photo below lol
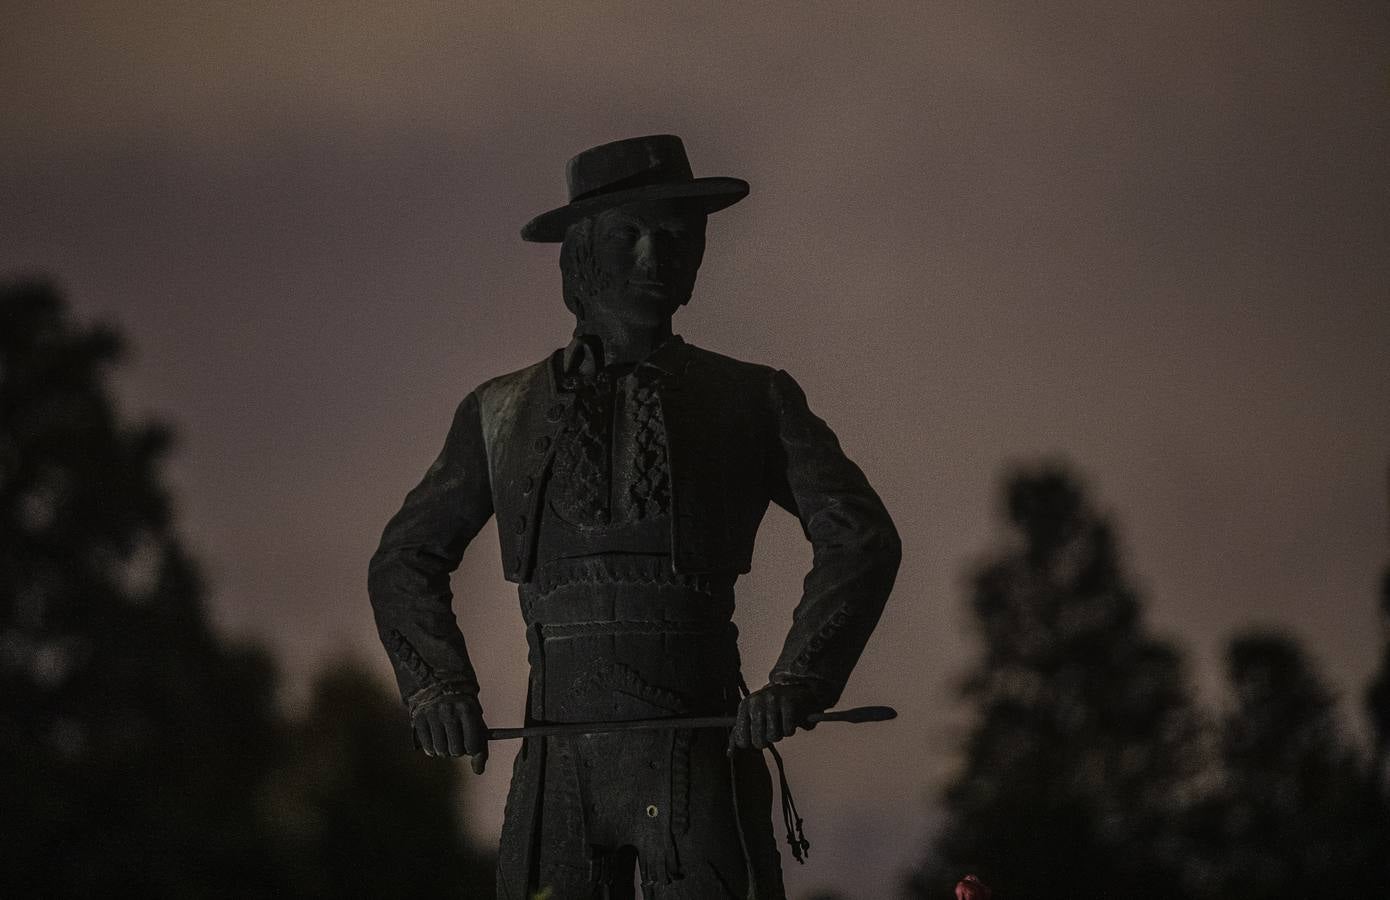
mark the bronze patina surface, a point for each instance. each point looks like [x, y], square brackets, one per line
[628, 473]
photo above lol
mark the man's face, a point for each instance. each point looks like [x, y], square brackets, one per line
[647, 254]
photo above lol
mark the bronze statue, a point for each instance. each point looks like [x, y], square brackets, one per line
[628, 473]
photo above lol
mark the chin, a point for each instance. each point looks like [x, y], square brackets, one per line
[648, 320]
[654, 309]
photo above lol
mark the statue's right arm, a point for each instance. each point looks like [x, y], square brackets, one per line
[408, 579]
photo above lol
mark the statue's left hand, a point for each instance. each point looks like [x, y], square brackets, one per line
[771, 713]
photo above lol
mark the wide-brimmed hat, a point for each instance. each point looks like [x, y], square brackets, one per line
[654, 167]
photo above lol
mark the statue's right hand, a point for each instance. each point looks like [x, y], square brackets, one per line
[453, 726]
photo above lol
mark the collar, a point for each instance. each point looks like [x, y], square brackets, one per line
[584, 358]
[581, 356]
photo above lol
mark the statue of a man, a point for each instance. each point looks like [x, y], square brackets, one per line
[628, 473]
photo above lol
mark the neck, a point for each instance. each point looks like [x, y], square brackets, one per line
[623, 342]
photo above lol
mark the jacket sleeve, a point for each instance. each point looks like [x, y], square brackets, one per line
[856, 547]
[408, 579]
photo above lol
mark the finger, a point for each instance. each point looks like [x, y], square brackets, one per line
[422, 736]
[475, 741]
[757, 720]
[788, 717]
[453, 731]
[474, 732]
[772, 720]
[738, 735]
[809, 705]
[439, 741]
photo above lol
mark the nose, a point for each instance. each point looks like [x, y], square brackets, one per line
[644, 251]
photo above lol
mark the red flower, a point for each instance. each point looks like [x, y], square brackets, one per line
[971, 888]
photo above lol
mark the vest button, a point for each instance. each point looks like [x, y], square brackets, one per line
[555, 412]
[520, 525]
[651, 812]
[542, 444]
[528, 484]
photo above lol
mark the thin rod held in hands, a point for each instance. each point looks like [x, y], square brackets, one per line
[856, 715]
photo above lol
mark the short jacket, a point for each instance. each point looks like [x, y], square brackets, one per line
[738, 436]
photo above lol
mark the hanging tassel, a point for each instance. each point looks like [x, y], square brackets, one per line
[791, 819]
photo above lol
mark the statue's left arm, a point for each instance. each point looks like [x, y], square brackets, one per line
[856, 557]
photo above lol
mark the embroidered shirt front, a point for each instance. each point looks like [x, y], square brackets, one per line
[609, 490]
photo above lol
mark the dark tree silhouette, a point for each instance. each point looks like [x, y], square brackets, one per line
[131, 740]
[362, 812]
[1086, 744]
[1378, 694]
[140, 754]
[1300, 819]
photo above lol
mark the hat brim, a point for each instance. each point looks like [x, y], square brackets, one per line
[707, 194]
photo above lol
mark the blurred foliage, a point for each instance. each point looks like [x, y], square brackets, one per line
[1086, 743]
[1091, 773]
[139, 752]
[361, 812]
[1295, 812]
[1378, 694]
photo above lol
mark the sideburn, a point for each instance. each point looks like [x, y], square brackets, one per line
[581, 278]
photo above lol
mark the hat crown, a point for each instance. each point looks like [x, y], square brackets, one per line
[629, 163]
[653, 167]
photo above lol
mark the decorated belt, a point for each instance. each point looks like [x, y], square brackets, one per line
[663, 626]
[623, 569]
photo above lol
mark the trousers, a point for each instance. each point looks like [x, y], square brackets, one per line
[621, 821]
[668, 809]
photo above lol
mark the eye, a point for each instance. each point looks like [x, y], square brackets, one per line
[619, 236]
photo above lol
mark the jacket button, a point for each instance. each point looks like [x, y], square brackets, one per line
[651, 812]
[521, 525]
[528, 484]
[542, 444]
[555, 412]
